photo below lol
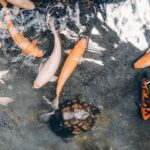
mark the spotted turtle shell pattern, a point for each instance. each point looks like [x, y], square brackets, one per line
[73, 118]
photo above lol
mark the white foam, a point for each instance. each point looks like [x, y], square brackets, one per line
[115, 46]
[99, 15]
[113, 58]
[128, 19]
[95, 46]
[99, 62]
[95, 31]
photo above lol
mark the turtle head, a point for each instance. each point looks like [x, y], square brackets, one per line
[96, 110]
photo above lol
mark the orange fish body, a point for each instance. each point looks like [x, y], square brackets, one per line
[28, 48]
[143, 62]
[145, 105]
[70, 64]
[26, 4]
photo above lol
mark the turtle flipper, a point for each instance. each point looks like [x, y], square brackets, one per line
[45, 117]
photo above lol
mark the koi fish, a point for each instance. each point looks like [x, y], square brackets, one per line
[28, 48]
[145, 105]
[47, 71]
[5, 101]
[3, 73]
[144, 61]
[26, 4]
[70, 64]
[3, 3]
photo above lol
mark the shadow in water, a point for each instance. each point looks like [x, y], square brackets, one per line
[113, 85]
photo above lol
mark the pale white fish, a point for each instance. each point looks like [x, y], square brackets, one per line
[3, 73]
[26, 4]
[47, 70]
[5, 101]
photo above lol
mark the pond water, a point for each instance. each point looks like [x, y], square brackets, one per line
[106, 77]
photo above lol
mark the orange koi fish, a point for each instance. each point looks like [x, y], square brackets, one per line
[145, 105]
[144, 61]
[70, 64]
[27, 4]
[28, 48]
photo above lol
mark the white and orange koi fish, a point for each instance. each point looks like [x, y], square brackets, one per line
[28, 48]
[26, 4]
[48, 70]
[70, 64]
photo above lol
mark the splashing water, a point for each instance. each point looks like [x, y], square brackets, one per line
[24, 22]
[36, 22]
[69, 15]
[130, 20]
[73, 15]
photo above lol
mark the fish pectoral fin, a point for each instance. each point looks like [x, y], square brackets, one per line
[81, 60]
[53, 79]
[35, 41]
[68, 51]
[41, 66]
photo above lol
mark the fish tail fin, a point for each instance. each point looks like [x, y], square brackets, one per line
[56, 103]
[3, 3]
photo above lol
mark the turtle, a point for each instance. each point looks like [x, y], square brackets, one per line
[72, 117]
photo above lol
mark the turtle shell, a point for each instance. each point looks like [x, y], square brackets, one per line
[73, 118]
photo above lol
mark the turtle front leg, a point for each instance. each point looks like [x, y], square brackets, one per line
[45, 116]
